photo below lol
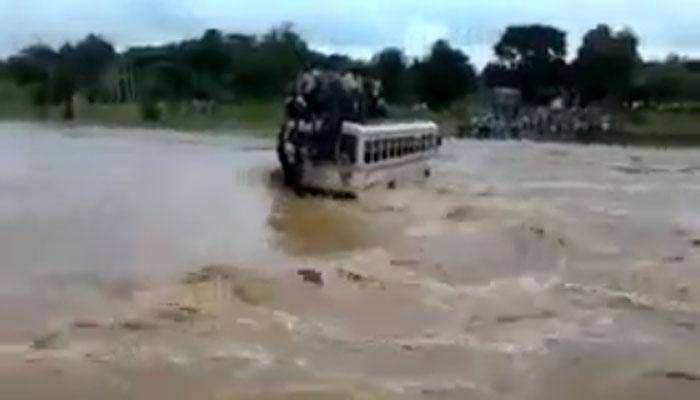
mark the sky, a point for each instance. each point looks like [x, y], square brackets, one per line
[355, 27]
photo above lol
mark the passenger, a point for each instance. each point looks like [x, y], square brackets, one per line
[296, 107]
[304, 82]
[376, 103]
[352, 95]
[308, 86]
[331, 99]
[371, 98]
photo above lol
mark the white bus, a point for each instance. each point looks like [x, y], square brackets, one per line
[367, 156]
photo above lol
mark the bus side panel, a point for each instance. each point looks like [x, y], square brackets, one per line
[396, 175]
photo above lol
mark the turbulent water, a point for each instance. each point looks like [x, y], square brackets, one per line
[146, 264]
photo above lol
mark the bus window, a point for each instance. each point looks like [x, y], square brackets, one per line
[368, 152]
[376, 154]
[385, 149]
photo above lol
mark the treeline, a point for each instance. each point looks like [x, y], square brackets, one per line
[54, 76]
[607, 67]
[222, 68]
[225, 68]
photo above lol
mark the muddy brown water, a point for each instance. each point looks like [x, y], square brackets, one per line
[151, 264]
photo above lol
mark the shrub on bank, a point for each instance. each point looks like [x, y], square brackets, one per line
[150, 112]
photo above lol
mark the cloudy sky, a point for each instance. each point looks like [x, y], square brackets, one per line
[358, 27]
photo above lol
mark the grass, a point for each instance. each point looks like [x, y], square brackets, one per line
[14, 102]
[661, 123]
[253, 117]
[658, 129]
[256, 117]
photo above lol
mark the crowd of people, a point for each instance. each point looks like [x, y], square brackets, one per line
[349, 95]
[561, 119]
[325, 98]
[542, 123]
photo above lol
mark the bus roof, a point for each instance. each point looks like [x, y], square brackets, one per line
[390, 128]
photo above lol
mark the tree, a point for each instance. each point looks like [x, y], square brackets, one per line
[528, 44]
[390, 67]
[606, 64]
[34, 67]
[66, 79]
[663, 81]
[498, 75]
[91, 58]
[671, 80]
[209, 54]
[444, 76]
[33, 64]
[221, 66]
[209, 61]
[263, 68]
[52, 74]
[530, 58]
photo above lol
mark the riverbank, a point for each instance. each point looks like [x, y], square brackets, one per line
[262, 118]
[258, 117]
[629, 128]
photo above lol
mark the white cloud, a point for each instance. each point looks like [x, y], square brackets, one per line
[360, 27]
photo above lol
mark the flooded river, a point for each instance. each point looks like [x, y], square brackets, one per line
[149, 264]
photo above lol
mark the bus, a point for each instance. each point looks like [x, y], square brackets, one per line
[364, 156]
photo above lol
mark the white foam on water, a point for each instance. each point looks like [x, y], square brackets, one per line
[567, 185]
[257, 354]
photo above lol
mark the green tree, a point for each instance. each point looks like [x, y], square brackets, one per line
[91, 58]
[34, 67]
[530, 58]
[52, 73]
[263, 68]
[671, 80]
[3, 69]
[529, 44]
[390, 67]
[209, 61]
[663, 81]
[498, 75]
[606, 64]
[444, 76]
[66, 78]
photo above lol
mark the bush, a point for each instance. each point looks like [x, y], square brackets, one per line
[150, 111]
[637, 118]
